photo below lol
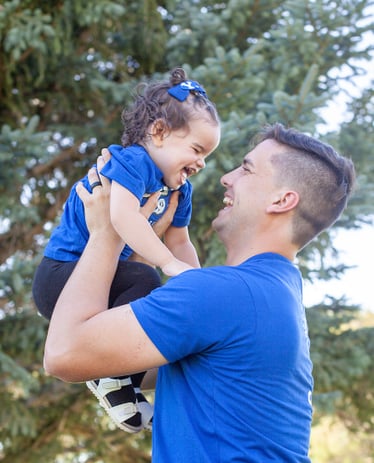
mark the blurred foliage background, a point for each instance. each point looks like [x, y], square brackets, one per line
[67, 69]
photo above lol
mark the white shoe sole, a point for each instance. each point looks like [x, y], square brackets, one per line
[119, 413]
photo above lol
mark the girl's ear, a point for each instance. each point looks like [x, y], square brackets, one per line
[285, 201]
[159, 130]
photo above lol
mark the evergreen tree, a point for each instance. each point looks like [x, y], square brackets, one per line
[68, 68]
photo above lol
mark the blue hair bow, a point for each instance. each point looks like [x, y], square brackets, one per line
[182, 90]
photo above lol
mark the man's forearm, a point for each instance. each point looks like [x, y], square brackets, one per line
[84, 295]
[86, 292]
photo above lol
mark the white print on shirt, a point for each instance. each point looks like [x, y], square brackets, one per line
[161, 203]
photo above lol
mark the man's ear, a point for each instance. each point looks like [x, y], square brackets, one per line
[285, 201]
[159, 130]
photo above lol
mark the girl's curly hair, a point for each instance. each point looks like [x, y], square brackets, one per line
[153, 102]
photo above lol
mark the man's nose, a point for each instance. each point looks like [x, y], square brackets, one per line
[226, 179]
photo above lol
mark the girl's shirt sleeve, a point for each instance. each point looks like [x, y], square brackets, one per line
[133, 168]
[182, 216]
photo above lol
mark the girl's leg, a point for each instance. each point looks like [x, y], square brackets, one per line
[49, 279]
[121, 396]
[131, 281]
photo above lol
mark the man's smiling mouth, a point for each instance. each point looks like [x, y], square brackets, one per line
[228, 202]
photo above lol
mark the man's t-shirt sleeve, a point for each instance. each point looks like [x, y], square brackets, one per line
[188, 315]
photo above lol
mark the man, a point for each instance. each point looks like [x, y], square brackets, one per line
[235, 381]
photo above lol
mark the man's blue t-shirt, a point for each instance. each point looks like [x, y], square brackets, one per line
[238, 385]
[133, 168]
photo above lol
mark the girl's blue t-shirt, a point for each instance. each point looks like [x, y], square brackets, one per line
[238, 384]
[133, 168]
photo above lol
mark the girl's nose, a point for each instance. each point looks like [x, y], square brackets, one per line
[200, 163]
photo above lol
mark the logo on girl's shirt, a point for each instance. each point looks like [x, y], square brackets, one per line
[161, 204]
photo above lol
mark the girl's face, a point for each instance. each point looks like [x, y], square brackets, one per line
[179, 154]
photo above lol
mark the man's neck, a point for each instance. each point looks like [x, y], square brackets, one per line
[236, 258]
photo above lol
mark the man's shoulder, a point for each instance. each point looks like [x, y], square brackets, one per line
[205, 278]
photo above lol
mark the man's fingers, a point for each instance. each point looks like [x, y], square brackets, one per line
[150, 205]
[82, 192]
[100, 163]
[105, 153]
[163, 224]
[94, 179]
[174, 200]
[173, 204]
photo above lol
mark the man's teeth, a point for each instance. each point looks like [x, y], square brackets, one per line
[227, 201]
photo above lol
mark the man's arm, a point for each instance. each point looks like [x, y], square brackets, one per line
[85, 340]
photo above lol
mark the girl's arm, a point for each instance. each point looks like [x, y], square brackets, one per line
[136, 231]
[160, 226]
[177, 239]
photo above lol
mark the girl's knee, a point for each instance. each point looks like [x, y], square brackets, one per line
[150, 277]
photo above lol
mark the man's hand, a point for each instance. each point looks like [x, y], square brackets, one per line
[97, 203]
[163, 224]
